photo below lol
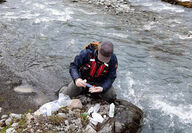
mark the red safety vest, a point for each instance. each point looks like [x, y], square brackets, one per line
[94, 71]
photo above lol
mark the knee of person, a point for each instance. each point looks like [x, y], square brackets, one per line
[63, 89]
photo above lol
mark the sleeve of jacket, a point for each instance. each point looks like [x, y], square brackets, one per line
[111, 75]
[79, 60]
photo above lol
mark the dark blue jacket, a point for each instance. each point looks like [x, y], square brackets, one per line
[83, 58]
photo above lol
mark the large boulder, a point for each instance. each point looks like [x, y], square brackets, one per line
[128, 118]
[187, 4]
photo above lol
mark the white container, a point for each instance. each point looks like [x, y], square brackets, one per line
[97, 117]
[90, 111]
[111, 110]
[96, 108]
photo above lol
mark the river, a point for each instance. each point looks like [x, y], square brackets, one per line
[152, 42]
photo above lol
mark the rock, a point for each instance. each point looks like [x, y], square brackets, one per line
[89, 129]
[1, 1]
[17, 116]
[0, 109]
[14, 125]
[128, 119]
[4, 116]
[74, 0]
[66, 122]
[8, 121]
[39, 131]
[49, 126]
[2, 123]
[32, 130]
[10, 130]
[63, 115]
[25, 89]
[187, 4]
[75, 103]
[108, 128]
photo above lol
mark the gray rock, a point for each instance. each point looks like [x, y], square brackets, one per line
[10, 130]
[17, 116]
[32, 130]
[4, 116]
[39, 131]
[66, 122]
[2, 123]
[108, 128]
[0, 109]
[49, 126]
[63, 115]
[74, 0]
[8, 121]
[14, 125]
[89, 129]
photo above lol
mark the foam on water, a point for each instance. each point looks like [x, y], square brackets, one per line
[34, 10]
[118, 35]
[183, 112]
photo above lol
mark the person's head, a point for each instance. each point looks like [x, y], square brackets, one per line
[105, 51]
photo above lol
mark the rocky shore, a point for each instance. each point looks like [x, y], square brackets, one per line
[127, 118]
[186, 3]
[117, 6]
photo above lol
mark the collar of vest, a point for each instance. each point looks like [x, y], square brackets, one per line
[94, 58]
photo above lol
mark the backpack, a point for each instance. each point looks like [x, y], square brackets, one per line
[92, 45]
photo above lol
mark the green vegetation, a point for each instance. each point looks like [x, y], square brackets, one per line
[5, 128]
[84, 119]
[64, 110]
[55, 120]
[22, 123]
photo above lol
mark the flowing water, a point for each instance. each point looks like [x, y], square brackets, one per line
[152, 43]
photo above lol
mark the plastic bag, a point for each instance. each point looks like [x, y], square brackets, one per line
[48, 108]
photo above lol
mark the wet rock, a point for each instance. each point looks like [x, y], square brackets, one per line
[75, 104]
[10, 130]
[187, 4]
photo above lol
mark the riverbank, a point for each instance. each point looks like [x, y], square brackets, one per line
[76, 118]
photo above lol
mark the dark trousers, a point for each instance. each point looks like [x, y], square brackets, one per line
[72, 90]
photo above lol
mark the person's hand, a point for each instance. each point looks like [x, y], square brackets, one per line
[95, 89]
[80, 83]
